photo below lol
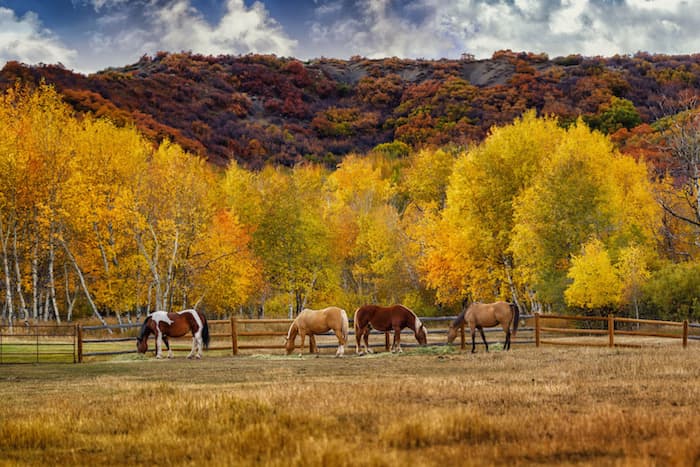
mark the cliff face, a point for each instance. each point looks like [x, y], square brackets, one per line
[259, 109]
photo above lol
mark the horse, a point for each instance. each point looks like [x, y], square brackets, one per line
[385, 319]
[481, 315]
[314, 322]
[164, 324]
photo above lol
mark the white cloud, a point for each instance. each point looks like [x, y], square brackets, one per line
[177, 25]
[447, 28]
[24, 39]
[378, 31]
[100, 4]
[242, 29]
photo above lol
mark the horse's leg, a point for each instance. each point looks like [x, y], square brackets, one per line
[507, 344]
[366, 338]
[358, 339]
[159, 344]
[167, 346]
[341, 343]
[200, 344]
[312, 344]
[473, 332]
[483, 338]
[303, 337]
[194, 347]
[396, 346]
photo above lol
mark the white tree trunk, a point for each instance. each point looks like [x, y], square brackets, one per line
[83, 285]
[152, 261]
[70, 301]
[52, 279]
[4, 238]
[35, 277]
[18, 274]
[171, 273]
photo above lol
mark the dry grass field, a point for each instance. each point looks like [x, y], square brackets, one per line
[546, 406]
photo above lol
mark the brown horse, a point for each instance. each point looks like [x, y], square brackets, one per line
[164, 324]
[313, 322]
[481, 315]
[385, 319]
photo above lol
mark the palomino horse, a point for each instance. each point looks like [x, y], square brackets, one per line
[486, 315]
[164, 325]
[385, 319]
[313, 322]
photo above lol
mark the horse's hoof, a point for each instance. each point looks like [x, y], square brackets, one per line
[198, 357]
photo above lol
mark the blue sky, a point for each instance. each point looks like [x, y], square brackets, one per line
[91, 35]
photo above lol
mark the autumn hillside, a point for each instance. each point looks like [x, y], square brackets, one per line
[259, 108]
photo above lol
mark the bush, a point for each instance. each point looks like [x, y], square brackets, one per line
[673, 292]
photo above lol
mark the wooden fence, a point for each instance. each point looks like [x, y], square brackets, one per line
[607, 329]
[72, 343]
[47, 343]
[241, 334]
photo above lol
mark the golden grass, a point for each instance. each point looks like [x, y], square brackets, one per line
[551, 406]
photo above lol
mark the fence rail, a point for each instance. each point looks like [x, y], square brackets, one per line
[72, 343]
[39, 343]
[610, 330]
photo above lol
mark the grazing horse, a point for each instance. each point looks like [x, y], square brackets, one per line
[313, 322]
[385, 319]
[164, 324]
[485, 315]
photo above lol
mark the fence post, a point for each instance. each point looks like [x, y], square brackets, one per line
[80, 343]
[537, 329]
[611, 330]
[685, 333]
[234, 335]
[462, 337]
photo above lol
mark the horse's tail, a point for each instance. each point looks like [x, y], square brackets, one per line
[345, 325]
[516, 317]
[205, 331]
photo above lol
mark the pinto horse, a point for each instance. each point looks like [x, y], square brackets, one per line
[164, 325]
[385, 319]
[481, 315]
[314, 322]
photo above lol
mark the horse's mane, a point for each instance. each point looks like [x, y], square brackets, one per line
[417, 321]
[144, 328]
[459, 319]
[294, 326]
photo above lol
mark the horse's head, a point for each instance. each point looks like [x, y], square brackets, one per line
[421, 332]
[142, 344]
[142, 338]
[288, 345]
[451, 334]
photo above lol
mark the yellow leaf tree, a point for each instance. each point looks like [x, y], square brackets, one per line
[226, 271]
[173, 207]
[469, 254]
[585, 190]
[595, 283]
